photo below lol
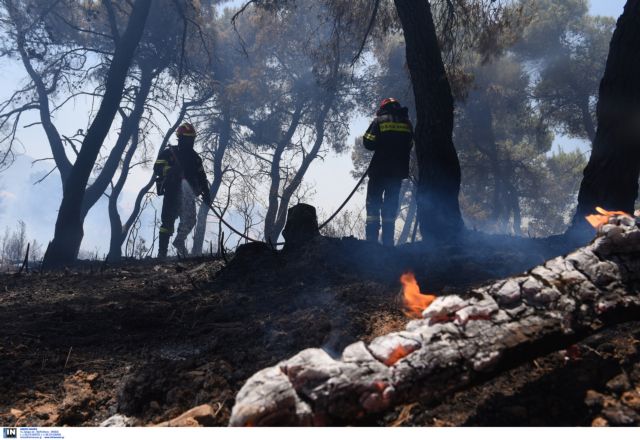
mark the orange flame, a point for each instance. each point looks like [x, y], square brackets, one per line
[414, 301]
[603, 216]
[398, 353]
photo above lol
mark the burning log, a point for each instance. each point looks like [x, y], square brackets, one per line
[458, 340]
[414, 301]
[603, 216]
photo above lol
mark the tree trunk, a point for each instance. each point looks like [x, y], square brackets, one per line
[586, 119]
[53, 136]
[611, 176]
[115, 223]
[223, 143]
[274, 187]
[117, 236]
[410, 218]
[485, 142]
[512, 196]
[514, 202]
[65, 245]
[439, 184]
[129, 127]
[293, 186]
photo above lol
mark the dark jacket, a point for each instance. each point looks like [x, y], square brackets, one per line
[175, 163]
[390, 137]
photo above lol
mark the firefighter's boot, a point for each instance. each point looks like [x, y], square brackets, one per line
[180, 248]
[372, 231]
[163, 244]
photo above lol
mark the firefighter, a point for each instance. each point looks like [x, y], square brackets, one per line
[390, 137]
[179, 177]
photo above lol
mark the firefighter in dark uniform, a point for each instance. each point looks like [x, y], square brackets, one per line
[179, 176]
[390, 137]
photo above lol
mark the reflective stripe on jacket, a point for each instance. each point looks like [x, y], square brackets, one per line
[390, 137]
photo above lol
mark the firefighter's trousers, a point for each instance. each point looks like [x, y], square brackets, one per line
[382, 201]
[179, 202]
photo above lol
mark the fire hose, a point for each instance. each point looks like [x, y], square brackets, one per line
[355, 188]
[325, 223]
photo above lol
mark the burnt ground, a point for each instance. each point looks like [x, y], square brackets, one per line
[153, 339]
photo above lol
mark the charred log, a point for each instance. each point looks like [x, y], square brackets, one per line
[459, 341]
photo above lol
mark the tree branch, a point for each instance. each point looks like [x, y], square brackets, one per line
[372, 20]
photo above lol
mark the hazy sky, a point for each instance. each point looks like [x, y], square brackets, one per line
[607, 7]
[37, 205]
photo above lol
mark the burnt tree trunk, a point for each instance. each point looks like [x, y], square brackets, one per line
[611, 176]
[130, 125]
[587, 120]
[439, 183]
[115, 244]
[65, 245]
[64, 165]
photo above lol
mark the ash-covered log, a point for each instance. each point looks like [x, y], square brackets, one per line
[460, 339]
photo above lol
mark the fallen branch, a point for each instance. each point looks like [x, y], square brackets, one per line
[459, 341]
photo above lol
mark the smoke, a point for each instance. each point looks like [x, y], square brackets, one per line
[25, 194]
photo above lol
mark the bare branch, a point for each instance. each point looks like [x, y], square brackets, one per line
[79, 29]
[71, 141]
[235, 29]
[34, 161]
[372, 20]
[45, 176]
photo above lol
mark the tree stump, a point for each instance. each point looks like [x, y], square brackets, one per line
[302, 225]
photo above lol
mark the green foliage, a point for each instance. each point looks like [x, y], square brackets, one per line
[502, 142]
[549, 27]
[568, 84]
[551, 210]
[569, 49]
[546, 84]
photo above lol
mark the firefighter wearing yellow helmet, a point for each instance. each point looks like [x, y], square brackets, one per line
[390, 137]
[179, 176]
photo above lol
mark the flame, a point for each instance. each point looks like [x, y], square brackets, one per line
[398, 353]
[414, 301]
[602, 218]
